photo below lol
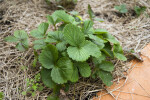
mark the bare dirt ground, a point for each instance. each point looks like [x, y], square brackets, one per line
[133, 33]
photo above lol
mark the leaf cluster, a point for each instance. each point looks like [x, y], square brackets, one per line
[64, 52]
[123, 9]
[21, 38]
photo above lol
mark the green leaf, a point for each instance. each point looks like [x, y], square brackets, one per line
[23, 38]
[73, 35]
[117, 48]
[50, 40]
[84, 69]
[106, 77]
[23, 93]
[25, 43]
[57, 76]
[110, 38]
[106, 66]
[98, 60]
[99, 19]
[100, 31]
[20, 46]
[118, 52]
[61, 27]
[64, 54]
[39, 44]
[63, 71]
[56, 36]
[120, 56]
[78, 19]
[48, 56]
[74, 13]
[90, 12]
[50, 20]
[66, 66]
[75, 75]
[34, 87]
[61, 46]
[94, 74]
[92, 49]
[98, 41]
[84, 52]
[41, 31]
[37, 34]
[59, 6]
[53, 98]
[122, 8]
[47, 79]
[78, 54]
[107, 50]
[42, 28]
[20, 34]
[75, 1]
[11, 39]
[87, 25]
[139, 10]
[63, 16]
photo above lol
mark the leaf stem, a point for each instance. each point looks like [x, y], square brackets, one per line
[55, 27]
[74, 92]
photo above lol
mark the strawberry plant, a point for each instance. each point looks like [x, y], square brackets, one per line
[139, 10]
[66, 51]
[121, 8]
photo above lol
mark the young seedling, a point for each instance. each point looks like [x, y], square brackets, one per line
[139, 10]
[121, 8]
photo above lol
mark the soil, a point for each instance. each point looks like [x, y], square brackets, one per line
[135, 86]
[130, 30]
